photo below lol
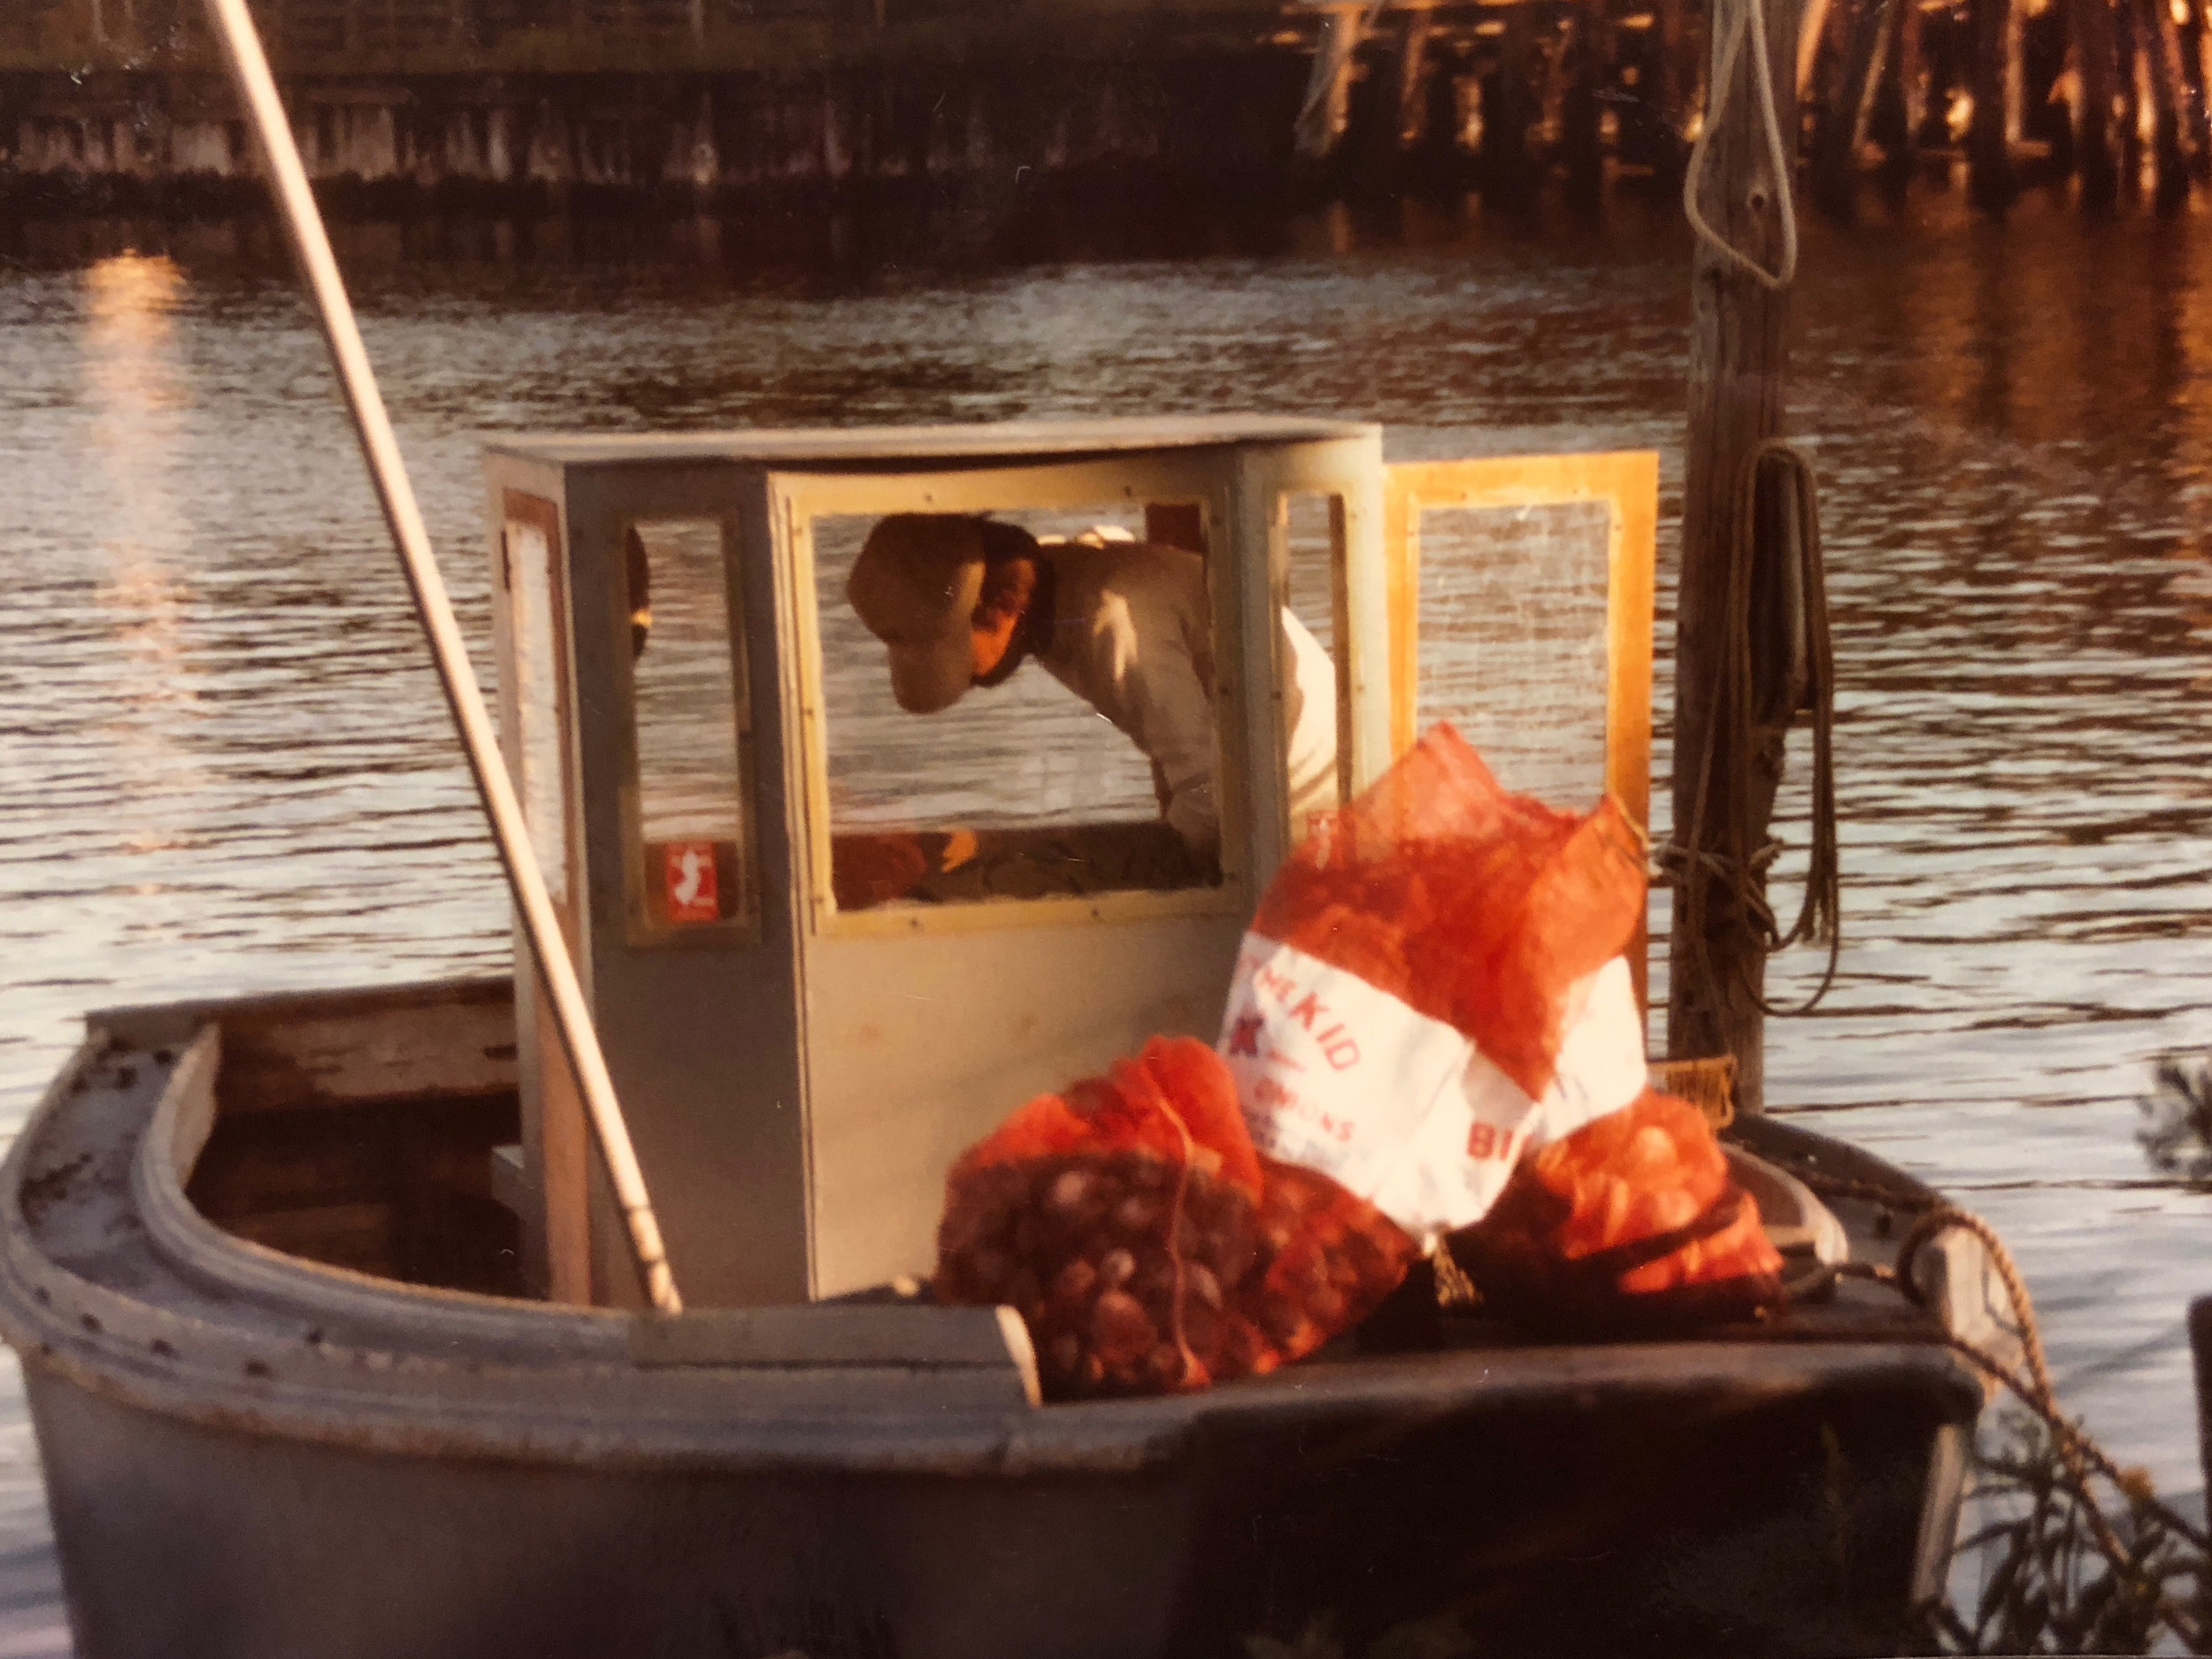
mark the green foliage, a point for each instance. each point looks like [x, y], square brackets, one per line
[2046, 1585]
[2177, 1135]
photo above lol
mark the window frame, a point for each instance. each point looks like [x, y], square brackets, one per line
[641, 928]
[1626, 482]
[1185, 478]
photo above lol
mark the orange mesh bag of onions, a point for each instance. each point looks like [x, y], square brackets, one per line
[1115, 1217]
[1435, 988]
[1629, 1226]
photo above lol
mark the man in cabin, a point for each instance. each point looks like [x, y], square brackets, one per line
[963, 601]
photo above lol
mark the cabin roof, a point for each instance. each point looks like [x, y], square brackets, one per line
[993, 439]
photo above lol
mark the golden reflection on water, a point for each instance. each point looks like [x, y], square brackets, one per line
[136, 390]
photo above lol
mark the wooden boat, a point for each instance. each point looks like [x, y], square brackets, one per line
[251, 1256]
[346, 1320]
[315, 1308]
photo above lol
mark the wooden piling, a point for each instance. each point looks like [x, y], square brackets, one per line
[1911, 79]
[2089, 23]
[1582, 111]
[1835, 162]
[2191, 35]
[2016, 77]
[1663, 114]
[1738, 354]
[2162, 47]
[1328, 106]
[2127, 41]
[1988, 153]
[1508, 107]
[1413, 41]
[1878, 74]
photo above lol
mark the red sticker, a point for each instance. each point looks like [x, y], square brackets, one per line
[693, 894]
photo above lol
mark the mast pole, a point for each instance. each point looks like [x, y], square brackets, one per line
[380, 448]
[1740, 196]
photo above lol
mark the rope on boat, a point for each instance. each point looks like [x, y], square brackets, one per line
[1697, 864]
[1747, 19]
[1932, 1217]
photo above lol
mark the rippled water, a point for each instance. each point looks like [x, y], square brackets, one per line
[224, 766]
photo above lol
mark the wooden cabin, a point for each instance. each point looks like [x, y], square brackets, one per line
[828, 944]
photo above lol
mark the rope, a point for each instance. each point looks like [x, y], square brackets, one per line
[1749, 17]
[1175, 1240]
[1933, 1217]
[1698, 864]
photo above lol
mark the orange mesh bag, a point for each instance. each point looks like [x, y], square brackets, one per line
[1434, 983]
[1629, 1226]
[1326, 1259]
[1115, 1218]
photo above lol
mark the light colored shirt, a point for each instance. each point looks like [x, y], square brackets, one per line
[1131, 635]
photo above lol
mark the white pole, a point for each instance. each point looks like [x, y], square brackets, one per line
[256, 89]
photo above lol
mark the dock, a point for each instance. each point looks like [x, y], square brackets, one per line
[684, 106]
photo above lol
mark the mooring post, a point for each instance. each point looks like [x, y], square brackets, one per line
[1738, 352]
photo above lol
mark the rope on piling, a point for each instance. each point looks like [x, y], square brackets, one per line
[1748, 18]
[1696, 863]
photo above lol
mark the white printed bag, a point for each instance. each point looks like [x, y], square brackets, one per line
[1400, 1109]
[1511, 916]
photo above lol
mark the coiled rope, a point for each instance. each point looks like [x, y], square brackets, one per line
[1934, 1216]
[1712, 862]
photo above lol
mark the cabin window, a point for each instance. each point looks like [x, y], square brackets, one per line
[1311, 528]
[1021, 787]
[532, 568]
[692, 728]
[1514, 628]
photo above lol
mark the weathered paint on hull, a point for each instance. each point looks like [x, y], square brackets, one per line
[183, 1539]
[253, 1456]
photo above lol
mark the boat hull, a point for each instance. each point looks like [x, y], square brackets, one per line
[1793, 1529]
[252, 1454]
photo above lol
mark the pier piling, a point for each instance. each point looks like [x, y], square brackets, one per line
[1988, 148]
[1738, 347]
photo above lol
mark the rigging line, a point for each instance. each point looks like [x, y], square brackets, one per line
[1748, 18]
[1711, 860]
[380, 449]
